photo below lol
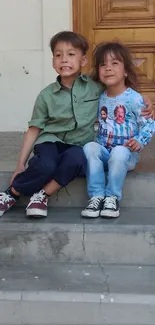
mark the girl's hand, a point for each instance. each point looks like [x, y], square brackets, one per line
[149, 111]
[133, 145]
[18, 170]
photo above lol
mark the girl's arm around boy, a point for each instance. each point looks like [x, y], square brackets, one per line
[146, 127]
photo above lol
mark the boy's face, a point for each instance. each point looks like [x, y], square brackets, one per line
[67, 60]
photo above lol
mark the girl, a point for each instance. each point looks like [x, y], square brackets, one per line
[131, 132]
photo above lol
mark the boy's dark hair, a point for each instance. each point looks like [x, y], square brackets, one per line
[77, 40]
[122, 53]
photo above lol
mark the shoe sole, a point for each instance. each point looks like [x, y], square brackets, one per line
[87, 214]
[110, 214]
[36, 213]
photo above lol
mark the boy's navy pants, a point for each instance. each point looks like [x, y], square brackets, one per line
[58, 161]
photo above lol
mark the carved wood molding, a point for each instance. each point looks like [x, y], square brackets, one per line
[145, 47]
[109, 14]
[76, 11]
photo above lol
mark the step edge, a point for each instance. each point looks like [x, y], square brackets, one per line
[127, 228]
[56, 296]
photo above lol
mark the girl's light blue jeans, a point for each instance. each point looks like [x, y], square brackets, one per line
[117, 162]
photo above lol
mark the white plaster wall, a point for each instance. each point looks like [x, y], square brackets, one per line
[26, 27]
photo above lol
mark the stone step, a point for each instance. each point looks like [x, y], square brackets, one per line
[139, 188]
[11, 142]
[139, 191]
[65, 237]
[67, 294]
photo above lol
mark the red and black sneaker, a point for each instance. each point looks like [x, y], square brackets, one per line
[37, 206]
[6, 202]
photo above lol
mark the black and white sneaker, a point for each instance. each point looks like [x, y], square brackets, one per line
[93, 208]
[110, 207]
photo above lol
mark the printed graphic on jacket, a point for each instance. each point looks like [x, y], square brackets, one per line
[120, 119]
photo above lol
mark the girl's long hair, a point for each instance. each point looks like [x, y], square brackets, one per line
[122, 54]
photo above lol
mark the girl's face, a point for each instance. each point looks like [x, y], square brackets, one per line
[111, 71]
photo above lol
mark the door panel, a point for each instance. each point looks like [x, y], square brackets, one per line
[131, 22]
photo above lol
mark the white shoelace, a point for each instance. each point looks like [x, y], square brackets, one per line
[94, 202]
[37, 198]
[5, 198]
[110, 202]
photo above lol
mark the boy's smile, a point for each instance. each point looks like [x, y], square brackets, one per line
[67, 60]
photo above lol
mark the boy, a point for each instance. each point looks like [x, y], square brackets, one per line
[62, 122]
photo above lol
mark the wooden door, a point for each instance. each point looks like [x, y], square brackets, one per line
[131, 22]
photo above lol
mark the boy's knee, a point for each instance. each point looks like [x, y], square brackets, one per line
[74, 156]
[44, 166]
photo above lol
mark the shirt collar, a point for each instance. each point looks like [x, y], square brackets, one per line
[58, 85]
[84, 77]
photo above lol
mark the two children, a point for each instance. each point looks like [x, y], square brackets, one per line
[122, 132]
[62, 123]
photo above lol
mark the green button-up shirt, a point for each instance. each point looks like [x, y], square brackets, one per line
[67, 115]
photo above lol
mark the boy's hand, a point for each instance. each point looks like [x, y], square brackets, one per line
[133, 145]
[149, 111]
[18, 170]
